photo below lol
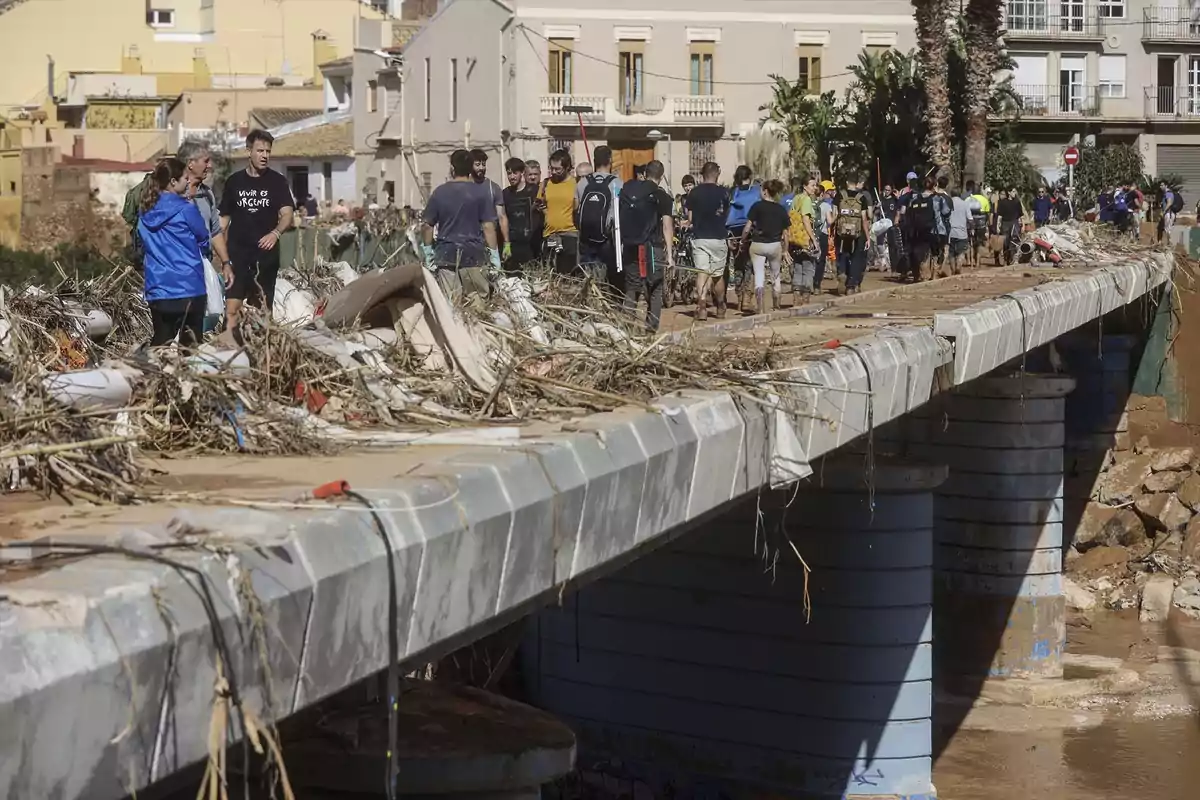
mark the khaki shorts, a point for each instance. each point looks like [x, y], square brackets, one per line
[709, 255]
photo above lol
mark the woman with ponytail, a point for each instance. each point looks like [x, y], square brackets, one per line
[174, 235]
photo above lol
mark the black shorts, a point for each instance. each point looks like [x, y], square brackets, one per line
[254, 279]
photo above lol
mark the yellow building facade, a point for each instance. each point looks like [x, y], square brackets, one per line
[242, 42]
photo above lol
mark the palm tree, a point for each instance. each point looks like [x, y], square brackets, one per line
[810, 123]
[933, 67]
[981, 38]
[884, 115]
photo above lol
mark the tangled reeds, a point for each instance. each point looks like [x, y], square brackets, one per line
[81, 397]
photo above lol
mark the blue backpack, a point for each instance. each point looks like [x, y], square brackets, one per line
[1120, 203]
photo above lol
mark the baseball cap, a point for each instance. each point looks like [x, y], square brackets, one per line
[827, 185]
[912, 176]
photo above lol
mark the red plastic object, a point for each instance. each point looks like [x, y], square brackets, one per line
[331, 489]
[832, 344]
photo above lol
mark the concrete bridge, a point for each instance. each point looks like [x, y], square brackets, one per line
[923, 447]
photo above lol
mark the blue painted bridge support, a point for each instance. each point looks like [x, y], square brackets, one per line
[1000, 610]
[697, 666]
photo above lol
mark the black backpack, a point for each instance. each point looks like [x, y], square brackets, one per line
[920, 214]
[595, 206]
[638, 208]
[1177, 203]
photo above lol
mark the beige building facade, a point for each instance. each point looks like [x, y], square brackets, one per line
[1118, 70]
[680, 80]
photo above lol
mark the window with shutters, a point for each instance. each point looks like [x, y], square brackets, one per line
[560, 67]
[1112, 76]
[701, 76]
[809, 76]
[1113, 9]
[631, 88]
[700, 152]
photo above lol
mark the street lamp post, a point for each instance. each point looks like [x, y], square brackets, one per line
[657, 135]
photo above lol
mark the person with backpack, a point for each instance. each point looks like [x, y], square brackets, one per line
[647, 230]
[595, 204]
[766, 233]
[921, 216]
[852, 237]
[174, 235]
[941, 218]
[708, 206]
[744, 194]
[803, 216]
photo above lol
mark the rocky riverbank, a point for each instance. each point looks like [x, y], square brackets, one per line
[1137, 543]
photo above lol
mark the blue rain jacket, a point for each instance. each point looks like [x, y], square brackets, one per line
[174, 234]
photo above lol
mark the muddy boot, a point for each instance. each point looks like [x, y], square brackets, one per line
[758, 301]
[702, 309]
[768, 300]
[840, 289]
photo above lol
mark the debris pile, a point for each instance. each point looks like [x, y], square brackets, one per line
[378, 358]
[1138, 539]
[1072, 242]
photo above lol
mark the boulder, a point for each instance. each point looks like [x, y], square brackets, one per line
[1078, 598]
[1189, 492]
[1171, 458]
[1123, 482]
[1102, 525]
[1163, 512]
[1157, 595]
[1186, 597]
[1164, 481]
[1190, 550]
[1142, 445]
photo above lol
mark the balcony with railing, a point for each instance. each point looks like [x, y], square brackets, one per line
[1170, 24]
[677, 110]
[1039, 20]
[1173, 102]
[1054, 101]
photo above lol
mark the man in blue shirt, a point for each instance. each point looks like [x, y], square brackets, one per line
[464, 219]
[1042, 207]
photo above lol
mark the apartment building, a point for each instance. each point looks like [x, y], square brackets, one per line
[1121, 70]
[680, 80]
[245, 42]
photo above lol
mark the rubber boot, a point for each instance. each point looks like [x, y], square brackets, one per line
[758, 301]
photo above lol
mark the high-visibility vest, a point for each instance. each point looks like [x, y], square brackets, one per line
[985, 205]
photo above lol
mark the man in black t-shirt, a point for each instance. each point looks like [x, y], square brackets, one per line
[707, 208]
[256, 208]
[647, 228]
[518, 200]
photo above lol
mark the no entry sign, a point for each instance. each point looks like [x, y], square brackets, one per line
[1071, 156]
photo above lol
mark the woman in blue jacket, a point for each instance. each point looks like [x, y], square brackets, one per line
[173, 234]
[742, 197]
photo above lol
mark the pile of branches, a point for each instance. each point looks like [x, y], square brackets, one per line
[555, 348]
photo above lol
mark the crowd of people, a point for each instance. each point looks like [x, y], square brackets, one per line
[583, 220]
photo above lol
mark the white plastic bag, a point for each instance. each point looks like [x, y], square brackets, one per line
[214, 284]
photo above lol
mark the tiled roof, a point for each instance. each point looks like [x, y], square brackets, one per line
[332, 139]
[274, 117]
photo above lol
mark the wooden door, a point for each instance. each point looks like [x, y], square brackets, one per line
[625, 158]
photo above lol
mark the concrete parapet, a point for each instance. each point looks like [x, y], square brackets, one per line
[697, 666]
[111, 660]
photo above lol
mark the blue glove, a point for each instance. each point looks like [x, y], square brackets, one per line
[494, 258]
[427, 256]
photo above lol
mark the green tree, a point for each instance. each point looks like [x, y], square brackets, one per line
[810, 124]
[1008, 167]
[884, 119]
[1100, 168]
[933, 68]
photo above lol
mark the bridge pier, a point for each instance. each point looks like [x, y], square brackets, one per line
[999, 607]
[695, 666]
